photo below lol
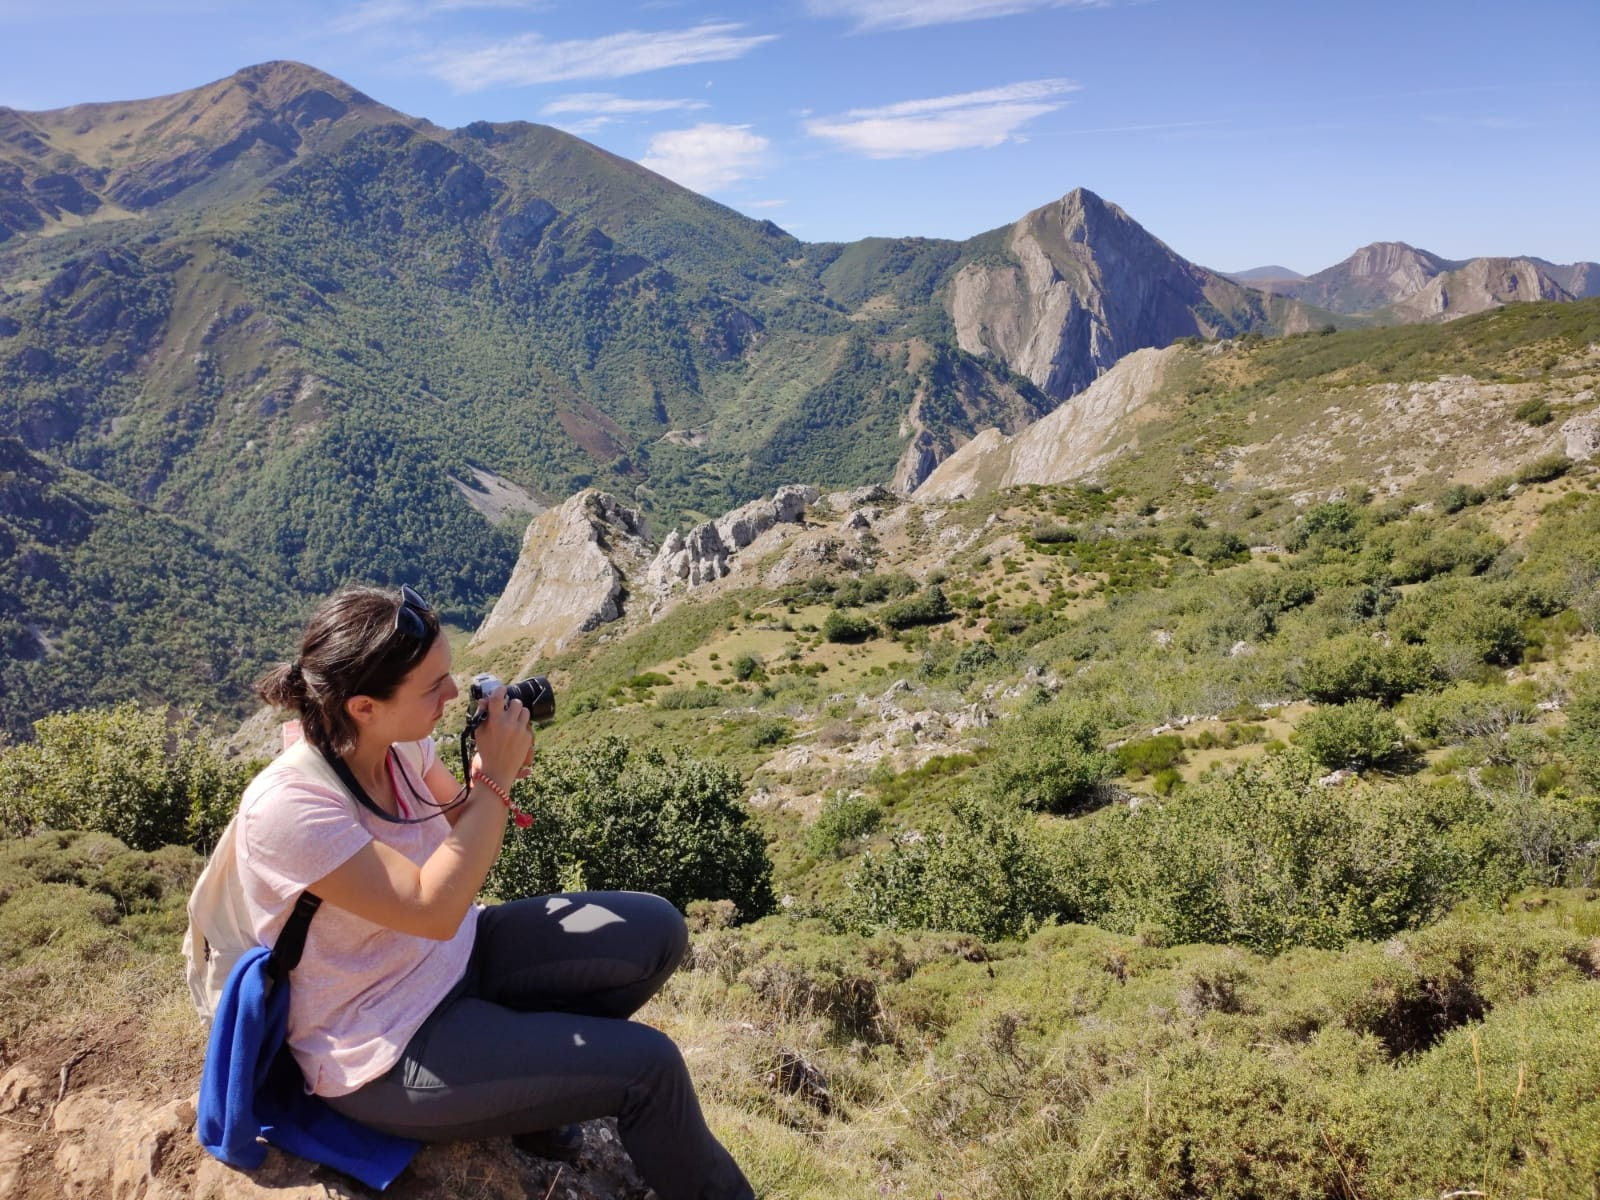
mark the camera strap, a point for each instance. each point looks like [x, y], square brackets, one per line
[353, 786]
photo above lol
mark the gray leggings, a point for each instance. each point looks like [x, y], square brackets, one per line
[536, 1035]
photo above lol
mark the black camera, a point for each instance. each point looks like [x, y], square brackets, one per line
[536, 694]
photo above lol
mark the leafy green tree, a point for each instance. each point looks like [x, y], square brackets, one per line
[147, 776]
[1051, 759]
[607, 818]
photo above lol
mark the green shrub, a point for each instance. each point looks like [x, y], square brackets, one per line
[1534, 411]
[844, 817]
[748, 667]
[771, 731]
[1458, 496]
[68, 920]
[1542, 470]
[848, 627]
[1266, 858]
[699, 696]
[1507, 1107]
[1355, 666]
[1050, 758]
[1148, 756]
[983, 875]
[146, 776]
[1418, 551]
[1357, 734]
[1581, 738]
[928, 608]
[605, 818]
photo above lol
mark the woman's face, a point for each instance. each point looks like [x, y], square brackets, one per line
[418, 703]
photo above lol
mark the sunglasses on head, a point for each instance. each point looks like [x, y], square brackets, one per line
[408, 617]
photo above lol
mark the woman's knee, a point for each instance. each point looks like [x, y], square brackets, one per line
[659, 922]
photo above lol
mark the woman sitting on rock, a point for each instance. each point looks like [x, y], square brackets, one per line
[414, 1010]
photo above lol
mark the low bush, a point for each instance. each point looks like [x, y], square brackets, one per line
[606, 818]
[1355, 666]
[1266, 858]
[1357, 734]
[699, 696]
[848, 627]
[843, 818]
[928, 608]
[1148, 756]
[984, 875]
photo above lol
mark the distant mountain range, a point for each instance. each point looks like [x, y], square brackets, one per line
[328, 340]
[1399, 284]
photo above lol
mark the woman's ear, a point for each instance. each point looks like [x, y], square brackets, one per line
[361, 709]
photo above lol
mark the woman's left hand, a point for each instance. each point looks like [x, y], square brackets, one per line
[527, 764]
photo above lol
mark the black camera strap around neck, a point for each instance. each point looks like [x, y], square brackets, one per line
[353, 786]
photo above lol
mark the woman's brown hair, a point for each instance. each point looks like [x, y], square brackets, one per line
[356, 644]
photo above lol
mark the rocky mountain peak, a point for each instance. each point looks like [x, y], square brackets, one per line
[1387, 258]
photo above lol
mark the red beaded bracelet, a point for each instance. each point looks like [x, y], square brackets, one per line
[522, 819]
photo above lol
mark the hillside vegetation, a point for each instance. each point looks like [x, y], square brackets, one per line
[1160, 836]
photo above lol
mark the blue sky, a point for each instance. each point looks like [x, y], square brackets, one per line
[1240, 132]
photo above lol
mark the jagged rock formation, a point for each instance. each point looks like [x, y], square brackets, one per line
[571, 575]
[1072, 442]
[1406, 284]
[706, 553]
[1085, 285]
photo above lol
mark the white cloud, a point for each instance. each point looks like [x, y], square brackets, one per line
[706, 157]
[872, 15]
[529, 58]
[968, 120]
[585, 112]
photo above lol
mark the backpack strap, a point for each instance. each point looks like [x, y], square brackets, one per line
[292, 941]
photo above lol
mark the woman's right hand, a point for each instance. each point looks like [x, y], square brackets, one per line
[505, 739]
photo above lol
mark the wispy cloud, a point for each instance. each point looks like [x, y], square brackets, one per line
[374, 14]
[969, 120]
[706, 157]
[585, 112]
[1501, 124]
[529, 58]
[874, 15]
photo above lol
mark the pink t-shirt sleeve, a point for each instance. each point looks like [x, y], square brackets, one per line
[297, 833]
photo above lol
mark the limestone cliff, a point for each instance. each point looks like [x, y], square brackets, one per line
[1079, 285]
[571, 575]
[1072, 442]
[1400, 283]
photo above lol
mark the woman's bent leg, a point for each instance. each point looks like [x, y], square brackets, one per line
[600, 953]
[477, 1069]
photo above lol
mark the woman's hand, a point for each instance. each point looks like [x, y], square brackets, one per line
[505, 740]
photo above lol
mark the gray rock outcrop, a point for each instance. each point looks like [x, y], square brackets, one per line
[707, 552]
[571, 575]
[1583, 433]
[1072, 442]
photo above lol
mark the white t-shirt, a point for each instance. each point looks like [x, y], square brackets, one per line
[361, 990]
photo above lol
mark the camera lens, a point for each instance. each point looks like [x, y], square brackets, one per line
[537, 696]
